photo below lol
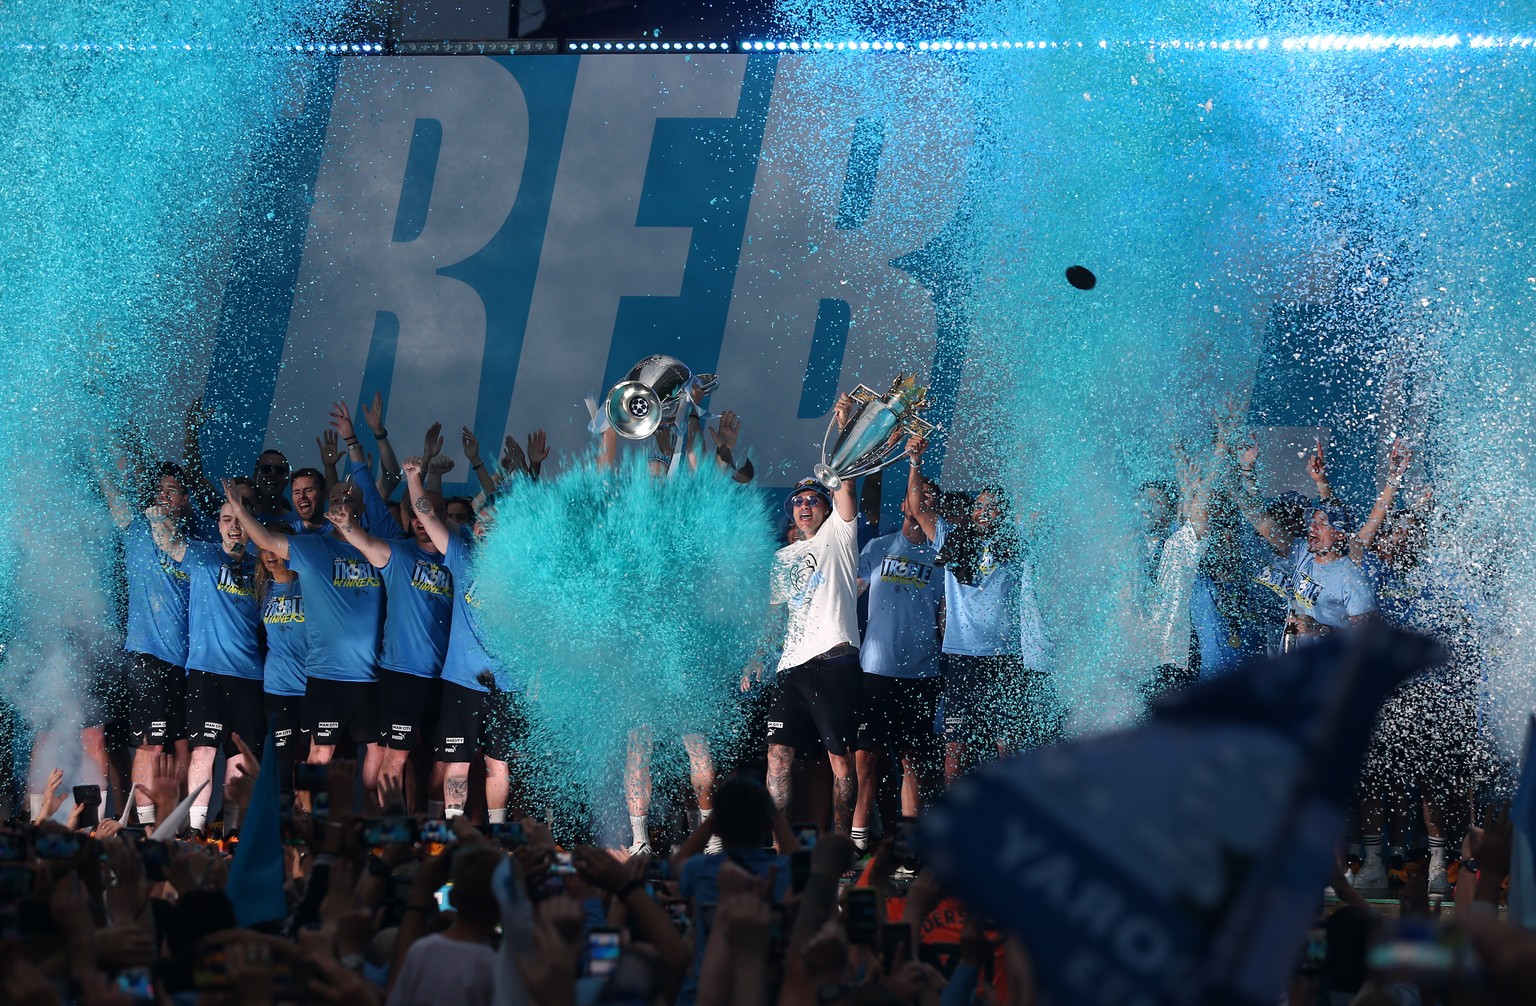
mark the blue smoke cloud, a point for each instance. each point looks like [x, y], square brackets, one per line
[622, 601]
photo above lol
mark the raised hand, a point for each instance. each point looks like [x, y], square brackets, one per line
[512, 457]
[728, 431]
[341, 421]
[440, 465]
[330, 449]
[916, 445]
[1317, 467]
[1398, 460]
[373, 414]
[843, 410]
[52, 798]
[164, 787]
[1248, 455]
[538, 448]
[471, 445]
[412, 466]
[432, 445]
[197, 415]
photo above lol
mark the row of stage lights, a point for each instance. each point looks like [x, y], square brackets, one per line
[499, 47]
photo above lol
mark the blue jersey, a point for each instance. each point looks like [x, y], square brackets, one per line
[1330, 593]
[467, 658]
[418, 606]
[282, 615]
[981, 619]
[343, 607]
[157, 598]
[222, 621]
[376, 516]
[905, 586]
[1227, 638]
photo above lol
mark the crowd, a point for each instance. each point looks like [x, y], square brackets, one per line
[415, 873]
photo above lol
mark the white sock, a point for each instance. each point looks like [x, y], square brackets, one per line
[434, 809]
[35, 801]
[1437, 853]
[146, 812]
[199, 817]
[641, 829]
[704, 813]
[449, 813]
[496, 815]
[860, 838]
[1372, 846]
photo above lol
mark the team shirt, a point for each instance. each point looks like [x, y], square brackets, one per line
[282, 615]
[467, 658]
[157, 597]
[815, 578]
[905, 586]
[418, 605]
[343, 607]
[997, 614]
[1330, 593]
[222, 619]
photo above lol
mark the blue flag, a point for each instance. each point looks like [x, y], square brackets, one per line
[1178, 862]
[1522, 861]
[255, 884]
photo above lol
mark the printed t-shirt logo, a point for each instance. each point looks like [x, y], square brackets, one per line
[432, 578]
[353, 573]
[235, 580]
[905, 571]
[283, 609]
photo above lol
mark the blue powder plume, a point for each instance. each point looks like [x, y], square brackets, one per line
[1333, 238]
[624, 601]
[130, 127]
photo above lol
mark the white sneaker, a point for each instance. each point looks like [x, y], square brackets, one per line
[714, 845]
[1371, 877]
[640, 849]
[1439, 882]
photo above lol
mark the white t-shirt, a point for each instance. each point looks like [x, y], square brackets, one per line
[816, 579]
[441, 972]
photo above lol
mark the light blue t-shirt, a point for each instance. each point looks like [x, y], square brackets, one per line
[1330, 593]
[343, 607]
[901, 639]
[981, 619]
[157, 598]
[467, 658]
[418, 606]
[282, 615]
[222, 622]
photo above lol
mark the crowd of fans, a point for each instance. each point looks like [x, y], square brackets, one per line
[413, 875]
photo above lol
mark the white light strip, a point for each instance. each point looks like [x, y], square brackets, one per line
[1295, 43]
[628, 45]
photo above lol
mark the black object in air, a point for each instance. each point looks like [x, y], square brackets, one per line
[1081, 278]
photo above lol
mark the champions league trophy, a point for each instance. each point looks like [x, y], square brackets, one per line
[872, 439]
[652, 395]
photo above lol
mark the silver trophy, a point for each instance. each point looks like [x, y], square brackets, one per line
[874, 434]
[651, 395]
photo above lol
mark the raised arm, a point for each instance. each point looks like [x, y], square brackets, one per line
[432, 461]
[726, 434]
[389, 465]
[198, 485]
[166, 532]
[926, 518]
[472, 454]
[260, 535]
[330, 456]
[1248, 502]
[1317, 471]
[1398, 460]
[843, 500]
[375, 550]
[415, 494]
[538, 450]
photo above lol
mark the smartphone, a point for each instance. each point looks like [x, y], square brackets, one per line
[156, 856]
[435, 830]
[442, 897]
[895, 945]
[509, 834]
[311, 778]
[562, 866]
[677, 911]
[13, 848]
[806, 835]
[602, 955]
[320, 805]
[57, 845]
[1314, 956]
[137, 984]
[88, 798]
[904, 842]
[1426, 953]
[863, 915]
[290, 831]
[799, 870]
[390, 831]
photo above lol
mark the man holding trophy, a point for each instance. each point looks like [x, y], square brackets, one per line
[820, 682]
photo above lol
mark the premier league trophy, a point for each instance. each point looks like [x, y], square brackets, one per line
[652, 394]
[874, 434]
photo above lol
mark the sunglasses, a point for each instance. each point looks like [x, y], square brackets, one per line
[810, 499]
[272, 469]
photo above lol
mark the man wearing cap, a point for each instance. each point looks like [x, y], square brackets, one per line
[819, 679]
[1328, 590]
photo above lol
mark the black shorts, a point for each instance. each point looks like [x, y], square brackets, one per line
[901, 714]
[336, 711]
[460, 717]
[816, 704]
[407, 705]
[997, 700]
[505, 726]
[287, 710]
[157, 700]
[219, 705]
